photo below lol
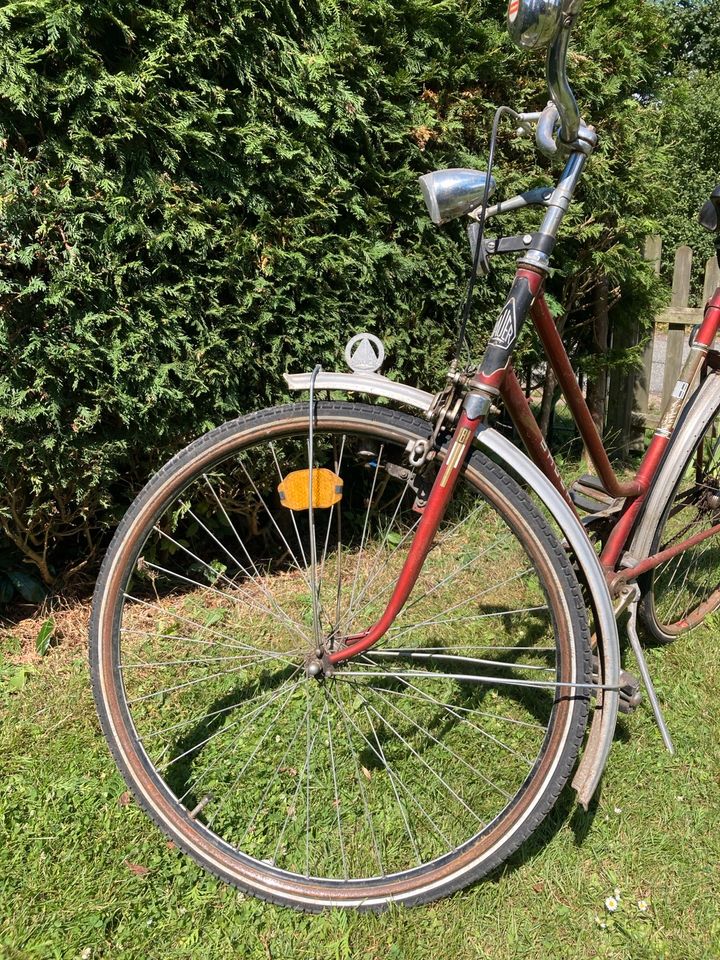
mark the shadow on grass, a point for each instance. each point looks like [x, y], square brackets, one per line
[566, 810]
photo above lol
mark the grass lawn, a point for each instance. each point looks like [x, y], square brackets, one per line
[85, 874]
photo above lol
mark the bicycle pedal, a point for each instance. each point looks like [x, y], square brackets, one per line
[630, 693]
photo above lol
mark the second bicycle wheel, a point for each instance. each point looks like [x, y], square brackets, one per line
[419, 765]
[679, 593]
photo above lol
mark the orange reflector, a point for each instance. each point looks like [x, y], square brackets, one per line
[295, 489]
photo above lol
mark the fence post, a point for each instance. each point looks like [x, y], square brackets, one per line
[712, 279]
[676, 331]
[630, 392]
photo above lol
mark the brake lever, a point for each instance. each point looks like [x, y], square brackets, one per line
[545, 130]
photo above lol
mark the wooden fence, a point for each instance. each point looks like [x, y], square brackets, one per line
[630, 402]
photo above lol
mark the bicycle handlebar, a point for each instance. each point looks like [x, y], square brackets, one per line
[560, 90]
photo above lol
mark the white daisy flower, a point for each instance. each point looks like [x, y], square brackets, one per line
[611, 904]
[643, 906]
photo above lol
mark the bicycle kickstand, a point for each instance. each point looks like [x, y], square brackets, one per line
[644, 672]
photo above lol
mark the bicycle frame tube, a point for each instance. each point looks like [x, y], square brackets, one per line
[557, 355]
[653, 457]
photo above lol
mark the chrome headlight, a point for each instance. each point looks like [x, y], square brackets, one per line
[453, 193]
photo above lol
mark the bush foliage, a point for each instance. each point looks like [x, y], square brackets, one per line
[195, 198]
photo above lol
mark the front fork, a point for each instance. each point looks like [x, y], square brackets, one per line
[484, 385]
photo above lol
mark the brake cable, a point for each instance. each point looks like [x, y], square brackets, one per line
[467, 306]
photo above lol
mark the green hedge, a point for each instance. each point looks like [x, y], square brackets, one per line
[196, 198]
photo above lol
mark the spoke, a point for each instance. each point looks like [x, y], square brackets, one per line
[190, 683]
[353, 612]
[201, 717]
[314, 594]
[275, 524]
[451, 576]
[225, 729]
[426, 733]
[360, 780]
[678, 564]
[689, 606]
[679, 590]
[424, 762]
[308, 754]
[439, 618]
[337, 465]
[401, 806]
[263, 589]
[337, 798]
[261, 581]
[460, 569]
[216, 573]
[293, 806]
[422, 655]
[425, 698]
[177, 663]
[365, 523]
[395, 778]
[228, 596]
[681, 556]
[233, 743]
[684, 532]
[374, 577]
[407, 628]
[448, 535]
[209, 643]
[292, 512]
[192, 623]
[279, 766]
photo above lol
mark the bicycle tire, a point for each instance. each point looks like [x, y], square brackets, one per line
[502, 501]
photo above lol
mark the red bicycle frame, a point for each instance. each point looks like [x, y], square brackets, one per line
[497, 376]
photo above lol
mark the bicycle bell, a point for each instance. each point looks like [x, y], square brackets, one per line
[535, 23]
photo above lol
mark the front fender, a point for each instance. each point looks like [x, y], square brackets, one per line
[602, 729]
[373, 383]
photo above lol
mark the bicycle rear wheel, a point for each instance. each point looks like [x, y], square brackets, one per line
[416, 767]
[680, 593]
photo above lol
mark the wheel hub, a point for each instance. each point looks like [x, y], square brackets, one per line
[318, 665]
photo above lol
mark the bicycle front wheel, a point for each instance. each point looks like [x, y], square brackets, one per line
[419, 765]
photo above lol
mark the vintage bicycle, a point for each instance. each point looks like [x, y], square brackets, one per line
[344, 653]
